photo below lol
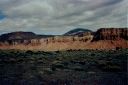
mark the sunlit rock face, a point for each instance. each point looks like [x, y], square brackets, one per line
[111, 34]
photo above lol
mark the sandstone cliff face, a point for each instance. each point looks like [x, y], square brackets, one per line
[62, 39]
[104, 38]
[111, 34]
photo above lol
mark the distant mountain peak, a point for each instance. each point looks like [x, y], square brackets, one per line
[17, 35]
[77, 31]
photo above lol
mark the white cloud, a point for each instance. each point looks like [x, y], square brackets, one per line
[59, 16]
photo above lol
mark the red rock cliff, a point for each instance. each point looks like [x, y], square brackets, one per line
[111, 34]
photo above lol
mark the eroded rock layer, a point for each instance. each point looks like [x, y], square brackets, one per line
[104, 38]
[111, 34]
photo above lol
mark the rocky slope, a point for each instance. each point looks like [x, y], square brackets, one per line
[21, 35]
[17, 35]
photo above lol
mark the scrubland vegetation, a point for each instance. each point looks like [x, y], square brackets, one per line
[81, 67]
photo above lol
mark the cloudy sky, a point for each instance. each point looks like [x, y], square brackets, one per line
[60, 16]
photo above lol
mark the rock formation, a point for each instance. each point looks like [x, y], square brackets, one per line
[104, 38]
[111, 34]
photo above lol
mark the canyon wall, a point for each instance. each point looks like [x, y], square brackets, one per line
[37, 41]
[104, 38]
[111, 34]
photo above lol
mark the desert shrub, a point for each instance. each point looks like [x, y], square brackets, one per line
[75, 63]
[57, 51]
[53, 68]
[78, 68]
[48, 71]
[118, 48]
[93, 54]
[59, 66]
[82, 63]
[111, 68]
[65, 63]
[69, 50]
[29, 52]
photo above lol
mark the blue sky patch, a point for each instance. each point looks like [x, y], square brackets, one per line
[2, 16]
